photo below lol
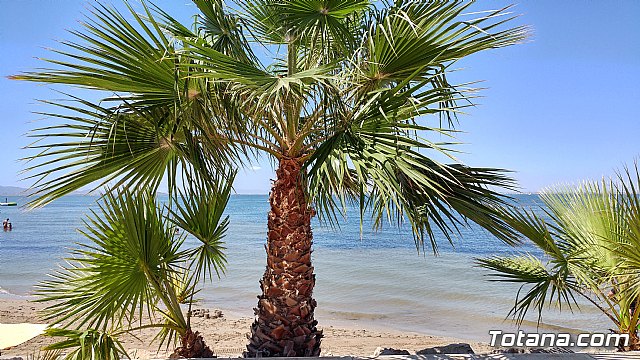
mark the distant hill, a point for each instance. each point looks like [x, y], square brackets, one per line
[20, 191]
[12, 191]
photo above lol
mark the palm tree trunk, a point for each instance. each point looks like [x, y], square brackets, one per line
[192, 346]
[634, 341]
[285, 325]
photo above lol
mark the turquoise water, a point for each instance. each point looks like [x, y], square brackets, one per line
[375, 280]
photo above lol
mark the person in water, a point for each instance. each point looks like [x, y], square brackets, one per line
[6, 224]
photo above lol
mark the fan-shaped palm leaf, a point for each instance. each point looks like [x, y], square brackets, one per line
[589, 241]
[199, 210]
[123, 272]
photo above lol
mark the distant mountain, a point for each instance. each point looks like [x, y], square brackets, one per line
[19, 191]
[12, 191]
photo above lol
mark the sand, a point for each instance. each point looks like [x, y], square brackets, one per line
[15, 334]
[227, 336]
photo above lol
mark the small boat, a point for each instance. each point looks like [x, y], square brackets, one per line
[8, 204]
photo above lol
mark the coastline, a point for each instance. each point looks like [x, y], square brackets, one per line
[391, 293]
[227, 336]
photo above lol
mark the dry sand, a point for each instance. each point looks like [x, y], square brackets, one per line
[228, 336]
[13, 334]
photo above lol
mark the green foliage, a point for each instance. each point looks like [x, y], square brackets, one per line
[137, 265]
[201, 216]
[131, 257]
[590, 250]
[84, 345]
[357, 95]
[151, 130]
[45, 355]
[356, 92]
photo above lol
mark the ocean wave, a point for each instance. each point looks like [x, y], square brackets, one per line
[8, 294]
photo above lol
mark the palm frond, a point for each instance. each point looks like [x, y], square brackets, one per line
[377, 153]
[424, 36]
[224, 31]
[324, 30]
[250, 81]
[161, 118]
[544, 287]
[199, 211]
[265, 20]
[216, 27]
[627, 249]
[122, 274]
[86, 345]
[99, 145]
[590, 250]
[132, 59]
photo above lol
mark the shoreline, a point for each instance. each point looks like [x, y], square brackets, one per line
[347, 322]
[227, 336]
[374, 280]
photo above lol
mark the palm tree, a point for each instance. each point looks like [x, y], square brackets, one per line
[589, 248]
[348, 110]
[135, 265]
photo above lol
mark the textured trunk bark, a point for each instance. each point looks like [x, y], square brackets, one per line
[284, 324]
[634, 343]
[192, 345]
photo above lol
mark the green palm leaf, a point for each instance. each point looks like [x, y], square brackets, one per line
[590, 246]
[378, 155]
[86, 345]
[117, 56]
[545, 287]
[102, 145]
[414, 35]
[123, 272]
[199, 211]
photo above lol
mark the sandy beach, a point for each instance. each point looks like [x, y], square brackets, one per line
[227, 336]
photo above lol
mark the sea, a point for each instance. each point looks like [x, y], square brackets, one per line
[369, 279]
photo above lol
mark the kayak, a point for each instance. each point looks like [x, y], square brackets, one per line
[9, 204]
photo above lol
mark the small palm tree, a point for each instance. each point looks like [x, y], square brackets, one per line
[135, 265]
[590, 247]
[348, 110]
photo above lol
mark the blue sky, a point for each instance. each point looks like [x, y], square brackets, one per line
[558, 109]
